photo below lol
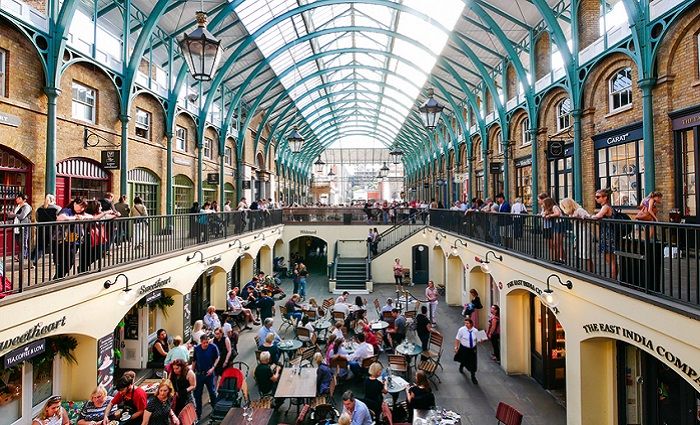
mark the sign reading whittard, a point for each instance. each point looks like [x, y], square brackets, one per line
[642, 340]
[144, 289]
[21, 354]
[36, 331]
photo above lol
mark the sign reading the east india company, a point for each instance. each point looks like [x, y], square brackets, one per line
[640, 340]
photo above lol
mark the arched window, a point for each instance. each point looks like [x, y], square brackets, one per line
[145, 184]
[620, 89]
[564, 114]
[498, 142]
[479, 153]
[525, 136]
[183, 189]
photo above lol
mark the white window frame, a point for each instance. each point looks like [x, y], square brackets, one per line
[3, 73]
[143, 122]
[525, 136]
[180, 138]
[499, 143]
[227, 155]
[563, 118]
[479, 152]
[612, 94]
[29, 411]
[90, 101]
[208, 148]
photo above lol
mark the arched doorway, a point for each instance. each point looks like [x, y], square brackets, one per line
[420, 264]
[145, 184]
[230, 195]
[209, 289]
[183, 191]
[312, 251]
[81, 177]
[15, 178]
[547, 348]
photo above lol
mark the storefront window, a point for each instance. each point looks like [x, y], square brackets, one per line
[479, 184]
[621, 168]
[229, 194]
[688, 170]
[11, 394]
[183, 189]
[42, 381]
[152, 316]
[209, 191]
[523, 180]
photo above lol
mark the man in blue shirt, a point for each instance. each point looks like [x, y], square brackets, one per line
[267, 329]
[357, 410]
[206, 356]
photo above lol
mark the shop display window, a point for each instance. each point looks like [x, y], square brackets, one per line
[621, 168]
[42, 381]
[11, 394]
[523, 184]
[688, 170]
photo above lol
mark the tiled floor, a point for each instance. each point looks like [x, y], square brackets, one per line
[477, 404]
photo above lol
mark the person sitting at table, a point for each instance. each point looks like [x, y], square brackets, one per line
[184, 382]
[375, 389]
[52, 413]
[419, 396]
[313, 305]
[159, 409]
[129, 398]
[266, 376]
[251, 296]
[324, 375]
[293, 308]
[265, 305]
[363, 351]
[345, 419]
[358, 323]
[388, 306]
[235, 306]
[270, 345]
[267, 329]
[252, 284]
[336, 349]
[179, 351]
[94, 410]
[356, 409]
[211, 319]
[343, 298]
[241, 385]
[338, 330]
[197, 331]
[396, 333]
[159, 350]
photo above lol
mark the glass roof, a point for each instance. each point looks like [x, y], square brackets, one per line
[383, 90]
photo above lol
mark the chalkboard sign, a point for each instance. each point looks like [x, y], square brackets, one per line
[186, 317]
[246, 184]
[131, 325]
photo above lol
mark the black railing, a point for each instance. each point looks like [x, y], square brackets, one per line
[657, 258]
[348, 215]
[37, 254]
[395, 234]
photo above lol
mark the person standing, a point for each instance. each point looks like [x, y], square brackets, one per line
[123, 209]
[517, 209]
[494, 332]
[582, 233]
[303, 274]
[398, 274]
[423, 327]
[184, 382]
[22, 214]
[226, 352]
[431, 293]
[107, 204]
[206, 357]
[465, 349]
[140, 224]
[607, 244]
[44, 214]
[471, 309]
[68, 235]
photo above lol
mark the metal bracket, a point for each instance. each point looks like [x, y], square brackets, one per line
[93, 140]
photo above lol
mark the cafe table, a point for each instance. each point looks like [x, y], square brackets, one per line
[429, 417]
[379, 325]
[288, 347]
[410, 350]
[259, 417]
[322, 326]
[395, 388]
[297, 382]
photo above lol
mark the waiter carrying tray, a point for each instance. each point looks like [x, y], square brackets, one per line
[465, 347]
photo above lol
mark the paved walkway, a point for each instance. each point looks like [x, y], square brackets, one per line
[477, 404]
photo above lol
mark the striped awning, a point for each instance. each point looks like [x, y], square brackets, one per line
[81, 167]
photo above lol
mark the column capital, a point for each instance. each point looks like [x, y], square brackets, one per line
[124, 118]
[646, 83]
[52, 92]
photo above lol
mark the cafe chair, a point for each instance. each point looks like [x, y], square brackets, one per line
[264, 403]
[323, 413]
[327, 304]
[398, 364]
[242, 366]
[410, 314]
[303, 335]
[257, 355]
[434, 351]
[387, 317]
[228, 398]
[188, 415]
[338, 316]
[507, 415]
[366, 363]
[429, 367]
[287, 320]
[311, 313]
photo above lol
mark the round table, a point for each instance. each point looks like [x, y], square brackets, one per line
[287, 347]
[350, 346]
[410, 350]
[322, 327]
[379, 325]
[397, 385]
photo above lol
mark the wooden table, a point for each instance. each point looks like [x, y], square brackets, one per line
[260, 417]
[293, 385]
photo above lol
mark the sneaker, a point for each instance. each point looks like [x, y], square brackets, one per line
[474, 380]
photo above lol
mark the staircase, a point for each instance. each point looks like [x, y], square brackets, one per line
[397, 234]
[351, 274]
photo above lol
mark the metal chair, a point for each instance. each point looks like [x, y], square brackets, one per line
[286, 319]
[398, 364]
[311, 313]
[507, 415]
[387, 317]
[323, 413]
[338, 316]
[429, 367]
[188, 415]
[264, 403]
[304, 335]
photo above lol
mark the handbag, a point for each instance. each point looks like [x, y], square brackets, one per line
[644, 215]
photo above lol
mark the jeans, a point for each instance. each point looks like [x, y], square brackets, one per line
[302, 287]
[296, 315]
[202, 380]
[355, 368]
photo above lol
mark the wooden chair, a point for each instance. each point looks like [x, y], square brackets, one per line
[434, 351]
[366, 363]
[303, 334]
[507, 415]
[327, 304]
[301, 418]
[410, 314]
[429, 367]
[257, 356]
[304, 356]
[387, 317]
[257, 340]
[263, 403]
[338, 316]
[188, 415]
[312, 314]
[286, 320]
[337, 364]
[398, 364]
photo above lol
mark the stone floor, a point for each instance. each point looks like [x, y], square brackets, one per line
[477, 404]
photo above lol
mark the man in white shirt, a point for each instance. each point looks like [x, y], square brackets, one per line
[465, 348]
[363, 351]
[389, 306]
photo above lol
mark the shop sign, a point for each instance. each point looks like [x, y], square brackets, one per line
[154, 296]
[686, 121]
[11, 120]
[619, 136]
[641, 340]
[213, 178]
[131, 325]
[187, 317]
[105, 361]
[182, 161]
[496, 167]
[21, 354]
[110, 159]
[36, 331]
[307, 232]
[523, 162]
[531, 287]
[246, 184]
[555, 149]
[144, 289]
[213, 260]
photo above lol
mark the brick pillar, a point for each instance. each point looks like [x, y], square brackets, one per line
[588, 22]
[543, 56]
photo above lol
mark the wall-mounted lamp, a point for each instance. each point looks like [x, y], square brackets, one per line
[426, 231]
[109, 283]
[548, 295]
[484, 263]
[455, 252]
[194, 254]
[261, 234]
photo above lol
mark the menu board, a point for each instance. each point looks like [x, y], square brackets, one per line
[105, 361]
[186, 317]
[131, 324]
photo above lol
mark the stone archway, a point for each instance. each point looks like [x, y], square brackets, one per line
[454, 285]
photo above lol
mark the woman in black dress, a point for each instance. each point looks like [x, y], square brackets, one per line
[374, 390]
[420, 396]
[184, 382]
[158, 410]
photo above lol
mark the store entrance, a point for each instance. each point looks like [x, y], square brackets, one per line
[313, 252]
[420, 264]
[548, 347]
[201, 295]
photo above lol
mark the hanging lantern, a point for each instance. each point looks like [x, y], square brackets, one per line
[395, 156]
[319, 164]
[331, 173]
[430, 111]
[295, 140]
[384, 170]
[202, 52]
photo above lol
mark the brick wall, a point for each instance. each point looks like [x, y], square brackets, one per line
[543, 61]
[588, 22]
[511, 81]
